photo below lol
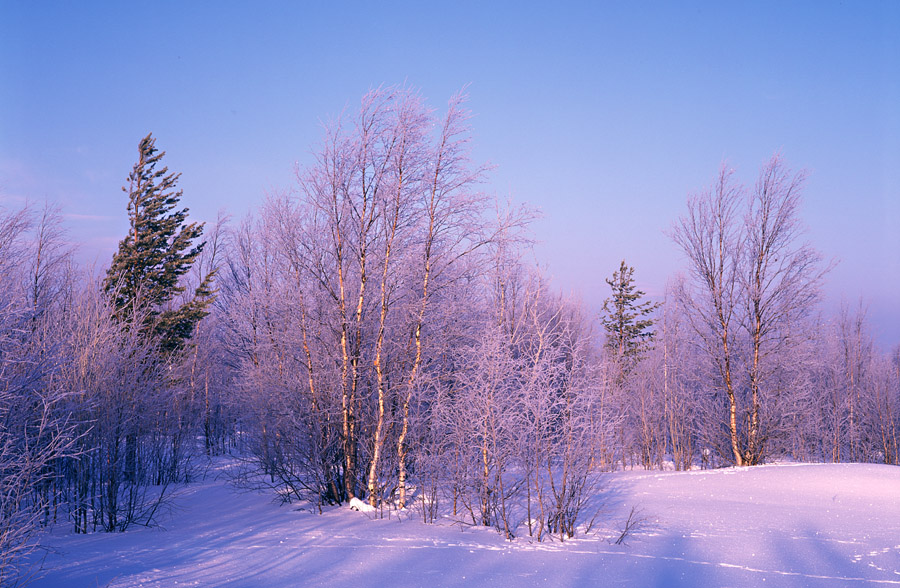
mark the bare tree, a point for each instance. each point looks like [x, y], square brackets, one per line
[855, 358]
[343, 281]
[35, 429]
[781, 280]
[753, 273]
[678, 403]
[710, 236]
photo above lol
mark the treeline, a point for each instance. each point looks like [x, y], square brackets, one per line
[376, 333]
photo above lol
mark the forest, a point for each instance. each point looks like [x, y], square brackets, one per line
[378, 333]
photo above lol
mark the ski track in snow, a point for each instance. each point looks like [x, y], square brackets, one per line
[783, 525]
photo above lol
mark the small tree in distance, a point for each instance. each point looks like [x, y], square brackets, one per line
[625, 318]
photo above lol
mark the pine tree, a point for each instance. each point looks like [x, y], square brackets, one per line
[159, 249]
[625, 318]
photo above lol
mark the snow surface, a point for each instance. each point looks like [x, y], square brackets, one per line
[778, 525]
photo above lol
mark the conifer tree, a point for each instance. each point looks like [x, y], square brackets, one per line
[159, 249]
[625, 318]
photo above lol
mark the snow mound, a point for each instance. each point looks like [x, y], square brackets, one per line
[357, 504]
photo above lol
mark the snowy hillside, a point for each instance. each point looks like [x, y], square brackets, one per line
[778, 525]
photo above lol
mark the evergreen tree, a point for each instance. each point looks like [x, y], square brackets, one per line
[159, 249]
[625, 318]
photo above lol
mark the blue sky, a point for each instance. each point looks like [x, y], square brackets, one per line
[603, 115]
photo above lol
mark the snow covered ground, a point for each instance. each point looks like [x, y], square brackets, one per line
[778, 525]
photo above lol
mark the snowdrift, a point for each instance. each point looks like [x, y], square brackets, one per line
[776, 525]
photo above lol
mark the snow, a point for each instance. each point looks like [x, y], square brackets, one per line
[777, 525]
[359, 505]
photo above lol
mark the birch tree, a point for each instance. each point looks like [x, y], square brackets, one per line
[710, 237]
[751, 273]
[349, 266]
[781, 280]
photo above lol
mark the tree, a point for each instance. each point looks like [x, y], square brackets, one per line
[36, 432]
[710, 238]
[625, 319]
[159, 249]
[678, 402]
[144, 279]
[782, 277]
[753, 276]
[336, 296]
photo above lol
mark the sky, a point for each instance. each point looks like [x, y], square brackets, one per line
[605, 116]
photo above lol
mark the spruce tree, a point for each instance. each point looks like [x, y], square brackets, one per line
[626, 319]
[159, 249]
